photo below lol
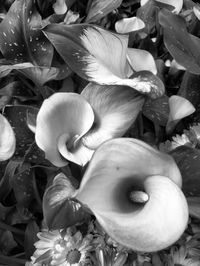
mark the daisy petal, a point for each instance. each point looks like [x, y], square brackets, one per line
[115, 108]
[127, 25]
[62, 119]
[108, 181]
[137, 57]
[7, 139]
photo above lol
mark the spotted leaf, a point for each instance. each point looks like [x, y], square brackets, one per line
[21, 38]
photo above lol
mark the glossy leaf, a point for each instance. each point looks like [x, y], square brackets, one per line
[115, 109]
[21, 38]
[100, 8]
[59, 207]
[183, 46]
[188, 161]
[7, 139]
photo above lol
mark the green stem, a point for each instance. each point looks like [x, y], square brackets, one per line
[11, 228]
[11, 260]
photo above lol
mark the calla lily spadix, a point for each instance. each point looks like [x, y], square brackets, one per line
[70, 126]
[135, 193]
[100, 56]
[7, 139]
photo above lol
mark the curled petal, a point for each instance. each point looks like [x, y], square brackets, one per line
[122, 168]
[127, 25]
[7, 139]
[177, 4]
[62, 120]
[179, 108]
[115, 108]
[137, 57]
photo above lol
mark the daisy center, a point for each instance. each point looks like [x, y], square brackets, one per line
[73, 256]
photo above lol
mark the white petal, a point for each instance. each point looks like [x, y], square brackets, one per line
[7, 139]
[60, 7]
[63, 114]
[141, 60]
[115, 108]
[127, 25]
[178, 4]
[120, 166]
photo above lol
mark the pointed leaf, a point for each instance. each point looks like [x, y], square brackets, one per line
[188, 161]
[21, 38]
[137, 57]
[183, 46]
[62, 120]
[108, 182]
[100, 8]
[30, 238]
[60, 209]
[7, 139]
[6, 68]
[157, 110]
[115, 108]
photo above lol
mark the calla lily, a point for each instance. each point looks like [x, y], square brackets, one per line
[71, 126]
[177, 4]
[100, 56]
[179, 108]
[7, 139]
[134, 192]
[60, 7]
[127, 25]
[137, 57]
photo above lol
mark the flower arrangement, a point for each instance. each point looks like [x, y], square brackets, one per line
[99, 133]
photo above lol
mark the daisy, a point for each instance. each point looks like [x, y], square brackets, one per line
[61, 248]
[178, 257]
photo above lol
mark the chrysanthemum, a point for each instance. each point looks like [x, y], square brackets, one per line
[63, 249]
[178, 257]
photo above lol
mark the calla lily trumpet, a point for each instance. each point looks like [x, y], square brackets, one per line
[7, 139]
[70, 126]
[135, 193]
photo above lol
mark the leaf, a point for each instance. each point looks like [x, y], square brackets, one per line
[5, 69]
[100, 56]
[188, 161]
[60, 209]
[21, 38]
[157, 110]
[22, 185]
[194, 206]
[30, 238]
[183, 46]
[100, 8]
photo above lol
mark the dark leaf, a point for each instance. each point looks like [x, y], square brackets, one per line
[60, 209]
[157, 110]
[188, 161]
[194, 206]
[30, 238]
[22, 185]
[100, 8]
[21, 38]
[183, 46]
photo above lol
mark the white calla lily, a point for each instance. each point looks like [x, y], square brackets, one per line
[7, 139]
[177, 4]
[70, 126]
[127, 25]
[134, 192]
[61, 121]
